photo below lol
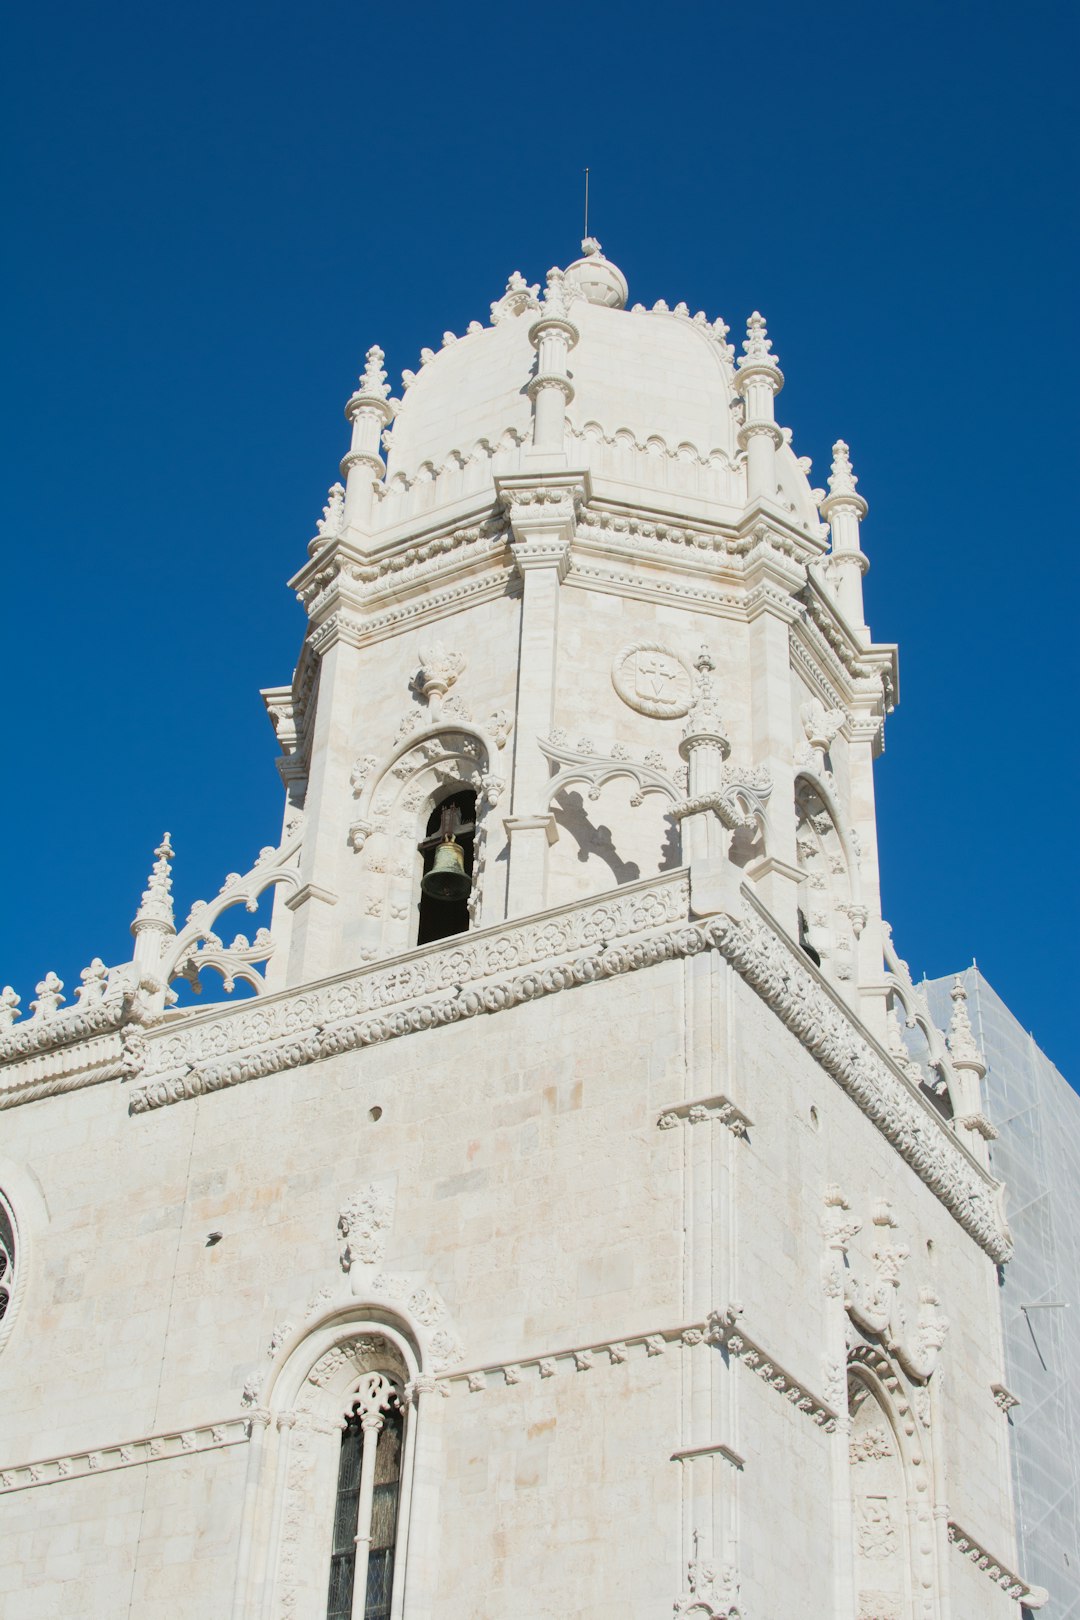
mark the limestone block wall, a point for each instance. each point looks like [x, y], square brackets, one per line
[558, 1215]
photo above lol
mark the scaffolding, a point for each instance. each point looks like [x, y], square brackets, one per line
[1037, 1154]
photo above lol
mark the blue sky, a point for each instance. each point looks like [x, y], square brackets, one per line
[214, 210]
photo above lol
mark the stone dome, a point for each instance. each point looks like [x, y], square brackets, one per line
[651, 387]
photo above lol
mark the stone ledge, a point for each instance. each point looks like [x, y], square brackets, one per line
[1032, 1597]
[126, 1454]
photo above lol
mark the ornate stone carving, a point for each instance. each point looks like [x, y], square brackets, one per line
[365, 1223]
[712, 1592]
[652, 679]
[439, 669]
[871, 1444]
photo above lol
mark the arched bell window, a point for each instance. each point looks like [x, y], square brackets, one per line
[368, 1493]
[447, 849]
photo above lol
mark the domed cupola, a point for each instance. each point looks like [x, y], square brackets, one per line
[596, 278]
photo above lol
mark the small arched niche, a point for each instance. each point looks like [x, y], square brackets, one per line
[878, 1507]
[453, 818]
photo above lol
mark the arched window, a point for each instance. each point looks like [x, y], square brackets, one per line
[451, 827]
[7, 1258]
[368, 1492]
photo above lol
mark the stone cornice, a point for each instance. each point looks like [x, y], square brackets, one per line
[626, 931]
[634, 928]
[1021, 1591]
[126, 1454]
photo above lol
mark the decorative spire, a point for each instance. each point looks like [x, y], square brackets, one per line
[9, 1007]
[757, 345]
[963, 1047]
[156, 907]
[373, 376]
[842, 480]
[704, 721]
[558, 295]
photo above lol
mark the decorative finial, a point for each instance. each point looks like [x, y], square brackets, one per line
[373, 377]
[557, 294]
[757, 344]
[156, 906]
[9, 1007]
[842, 480]
[963, 1047]
[333, 512]
[49, 996]
[95, 979]
[589, 246]
[704, 719]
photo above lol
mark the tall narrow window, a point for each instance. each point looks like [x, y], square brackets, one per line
[365, 1518]
[7, 1259]
[343, 1556]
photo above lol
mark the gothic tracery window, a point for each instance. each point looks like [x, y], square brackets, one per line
[366, 1511]
[7, 1258]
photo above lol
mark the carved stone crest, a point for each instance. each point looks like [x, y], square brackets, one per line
[652, 679]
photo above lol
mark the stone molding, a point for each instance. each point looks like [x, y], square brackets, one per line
[293, 1027]
[1032, 1597]
[699, 1110]
[725, 1330]
[75, 1063]
[717, 1332]
[129, 1453]
[574, 945]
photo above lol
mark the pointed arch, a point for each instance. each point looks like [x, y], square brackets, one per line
[832, 913]
[891, 1490]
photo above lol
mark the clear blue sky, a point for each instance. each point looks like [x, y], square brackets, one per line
[213, 210]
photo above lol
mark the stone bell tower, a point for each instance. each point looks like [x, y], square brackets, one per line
[582, 1214]
[592, 550]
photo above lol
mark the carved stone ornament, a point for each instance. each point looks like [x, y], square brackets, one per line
[652, 679]
[364, 1224]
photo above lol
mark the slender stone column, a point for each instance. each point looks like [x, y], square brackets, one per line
[369, 410]
[838, 1229]
[844, 510]
[970, 1068]
[153, 928]
[863, 732]
[552, 336]
[771, 613]
[759, 379]
[372, 1424]
[542, 521]
[315, 929]
[374, 1398]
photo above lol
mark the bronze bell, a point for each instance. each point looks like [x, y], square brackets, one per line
[447, 879]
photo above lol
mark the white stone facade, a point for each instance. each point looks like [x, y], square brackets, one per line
[676, 1270]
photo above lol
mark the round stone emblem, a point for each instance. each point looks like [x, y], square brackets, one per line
[653, 680]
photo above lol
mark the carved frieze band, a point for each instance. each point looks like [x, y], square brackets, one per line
[768, 963]
[564, 949]
[127, 1454]
[86, 1062]
[384, 1001]
[1032, 1597]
